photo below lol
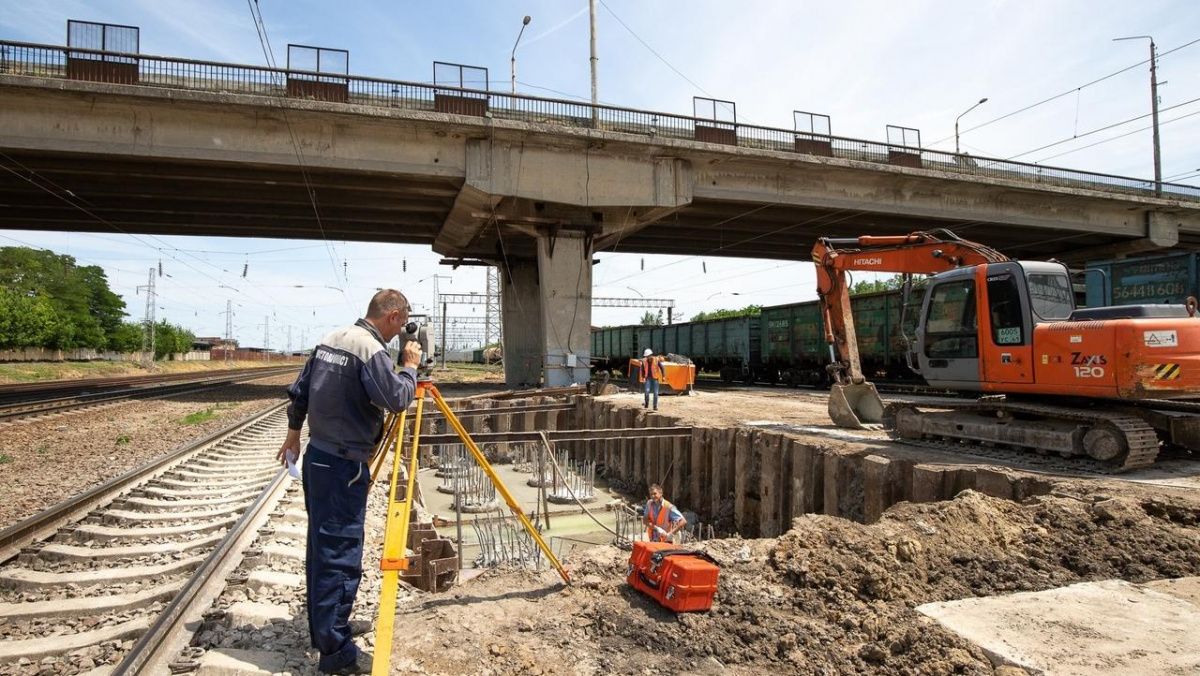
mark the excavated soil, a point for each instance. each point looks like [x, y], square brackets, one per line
[828, 597]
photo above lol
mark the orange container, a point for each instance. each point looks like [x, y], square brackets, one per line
[683, 580]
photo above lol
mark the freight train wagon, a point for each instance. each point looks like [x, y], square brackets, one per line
[794, 351]
[784, 344]
[612, 346]
[1169, 278]
[726, 346]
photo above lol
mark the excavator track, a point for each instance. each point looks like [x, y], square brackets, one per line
[1138, 436]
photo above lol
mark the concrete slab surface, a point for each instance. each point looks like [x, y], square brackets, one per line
[1111, 627]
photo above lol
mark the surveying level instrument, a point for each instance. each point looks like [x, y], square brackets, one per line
[399, 513]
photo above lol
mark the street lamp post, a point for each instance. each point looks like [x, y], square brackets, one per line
[1153, 108]
[513, 58]
[981, 102]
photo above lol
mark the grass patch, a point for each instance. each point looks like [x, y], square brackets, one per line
[5, 458]
[123, 440]
[198, 417]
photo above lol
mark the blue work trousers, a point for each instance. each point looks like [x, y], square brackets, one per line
[335, 497]
[651, 385]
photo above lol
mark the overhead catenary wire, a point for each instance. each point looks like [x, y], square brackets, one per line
[1100, 129]
[1121, 136]
[1065, 93]
[264, 41]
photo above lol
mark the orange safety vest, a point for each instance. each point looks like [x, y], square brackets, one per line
[651, 368]
[660, 520]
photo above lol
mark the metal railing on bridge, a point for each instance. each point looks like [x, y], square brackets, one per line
[50, 61]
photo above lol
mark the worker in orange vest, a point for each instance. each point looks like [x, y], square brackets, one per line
[651, 372]
[662, 519]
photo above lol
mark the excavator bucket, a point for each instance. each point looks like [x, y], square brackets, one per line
[855, 406]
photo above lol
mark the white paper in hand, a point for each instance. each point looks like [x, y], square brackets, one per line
[293, 470]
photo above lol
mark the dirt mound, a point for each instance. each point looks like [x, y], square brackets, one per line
[833, 596]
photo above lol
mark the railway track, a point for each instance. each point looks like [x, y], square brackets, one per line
[32, 399]
[117, 575]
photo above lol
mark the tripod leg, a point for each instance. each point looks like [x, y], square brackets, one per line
[395, 542]
[495, 479]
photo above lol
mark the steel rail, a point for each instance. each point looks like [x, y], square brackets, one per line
[86, 385]
[52, 405]
[161, 643]
[46, 523]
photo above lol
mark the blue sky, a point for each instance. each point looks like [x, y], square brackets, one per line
[866, 64]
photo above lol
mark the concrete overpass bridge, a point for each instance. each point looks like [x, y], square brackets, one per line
[144, 144]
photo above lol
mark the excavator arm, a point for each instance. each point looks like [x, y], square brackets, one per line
[853, 401]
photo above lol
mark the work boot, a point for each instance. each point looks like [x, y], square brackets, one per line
[360, 665]
[360, 627]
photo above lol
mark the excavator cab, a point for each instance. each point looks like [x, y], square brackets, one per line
[977, 323]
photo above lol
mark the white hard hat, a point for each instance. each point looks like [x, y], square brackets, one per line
[648, 352]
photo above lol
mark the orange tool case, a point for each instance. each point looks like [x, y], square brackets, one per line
[683, 580]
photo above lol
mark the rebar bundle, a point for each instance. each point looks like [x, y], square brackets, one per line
[501, 543]
[576, 482]
[465, 479]
[452, 462]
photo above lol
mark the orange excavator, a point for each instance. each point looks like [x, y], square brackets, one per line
[1109, 383]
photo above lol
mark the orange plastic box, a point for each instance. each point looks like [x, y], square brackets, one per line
[683, 580]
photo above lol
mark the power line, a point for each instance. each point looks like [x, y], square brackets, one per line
[264, 41]
[1098, 130]
[653, 51]
[1121, 136]
[1065, 93]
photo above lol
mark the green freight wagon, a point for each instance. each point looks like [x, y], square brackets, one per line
[1170, 278]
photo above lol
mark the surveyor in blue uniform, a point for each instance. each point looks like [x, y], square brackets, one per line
[346, 386]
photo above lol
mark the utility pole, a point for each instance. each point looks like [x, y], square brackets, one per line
[592, 24]
[1153, 108]
[289, 343]
[437, 303]
[267, 336]
[228, 327]
[148, 328]
[492, 324]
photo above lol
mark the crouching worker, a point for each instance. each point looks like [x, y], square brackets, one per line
[662, 519]
[345, 388]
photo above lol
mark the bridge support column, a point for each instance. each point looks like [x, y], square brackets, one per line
[521, 313]
[547, 314]
[565, 282]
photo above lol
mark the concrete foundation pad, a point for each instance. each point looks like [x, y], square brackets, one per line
[273, 578]
[235, 662]
[249, 613]
[89, 605]
[37, 648]
[1109, 627]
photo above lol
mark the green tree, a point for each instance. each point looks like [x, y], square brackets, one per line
[748, 311]
[652, 319]
[126, 338]
[83, 304]
[892, 283]
[171, 339]
[27, 321]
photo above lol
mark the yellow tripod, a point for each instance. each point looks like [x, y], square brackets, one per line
[395, 539]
